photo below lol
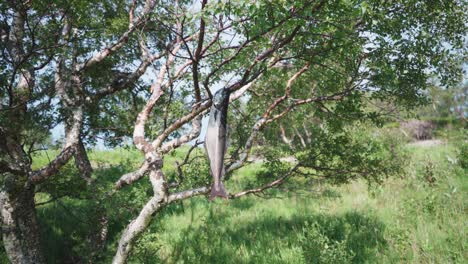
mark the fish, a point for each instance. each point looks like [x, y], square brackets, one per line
[216, 141]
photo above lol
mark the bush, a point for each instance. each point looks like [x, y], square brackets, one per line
[463, 155]
[442, 122]
[318, 248]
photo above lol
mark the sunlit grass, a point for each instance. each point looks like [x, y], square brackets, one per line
[415, 221]
[418, 217]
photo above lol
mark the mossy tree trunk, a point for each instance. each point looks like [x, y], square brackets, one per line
[20, 229]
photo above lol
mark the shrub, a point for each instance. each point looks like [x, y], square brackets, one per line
[463, 155]
[318, 248]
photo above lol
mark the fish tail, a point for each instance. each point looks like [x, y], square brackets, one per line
[218, 190]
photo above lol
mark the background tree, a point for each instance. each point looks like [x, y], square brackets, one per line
[446, 103]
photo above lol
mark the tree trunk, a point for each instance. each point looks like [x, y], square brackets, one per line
[20, 229]
[141, 222]
[82, 162]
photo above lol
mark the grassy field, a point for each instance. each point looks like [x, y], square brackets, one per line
[419, 217]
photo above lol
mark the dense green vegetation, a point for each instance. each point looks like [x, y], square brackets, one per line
[419, 216]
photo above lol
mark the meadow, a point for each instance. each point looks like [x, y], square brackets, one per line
[418, 217]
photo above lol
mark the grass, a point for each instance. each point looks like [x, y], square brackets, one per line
[419, 217]
[405, 220]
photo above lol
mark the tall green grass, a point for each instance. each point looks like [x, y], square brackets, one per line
[419, 217]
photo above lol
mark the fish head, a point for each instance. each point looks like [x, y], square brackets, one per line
[221, 97]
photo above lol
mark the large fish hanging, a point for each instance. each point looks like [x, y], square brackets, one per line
[215, 141]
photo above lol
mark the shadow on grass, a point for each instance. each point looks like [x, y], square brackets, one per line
[70, 223]
[220, 237]
[349, 238]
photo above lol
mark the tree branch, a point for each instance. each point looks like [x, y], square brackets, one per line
[134, 23]
[132, 177]
[187, 194]
[270, 185]
[263, 121]
[71, 140]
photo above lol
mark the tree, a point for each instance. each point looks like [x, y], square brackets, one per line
[446, 103]
[48, 51]
[159, 63]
